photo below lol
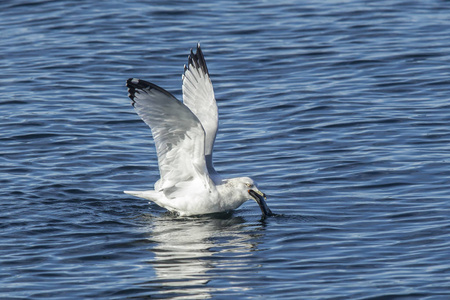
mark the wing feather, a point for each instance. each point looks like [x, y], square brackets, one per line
[178, 134]
[198, 95]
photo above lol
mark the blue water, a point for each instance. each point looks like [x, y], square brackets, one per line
[338, 109]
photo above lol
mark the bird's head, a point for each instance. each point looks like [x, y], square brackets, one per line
[249, 189]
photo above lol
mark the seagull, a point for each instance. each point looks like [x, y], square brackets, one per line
[184, 135]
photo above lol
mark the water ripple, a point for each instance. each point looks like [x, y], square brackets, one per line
[339, 110]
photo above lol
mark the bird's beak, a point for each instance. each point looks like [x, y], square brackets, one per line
[260, 199]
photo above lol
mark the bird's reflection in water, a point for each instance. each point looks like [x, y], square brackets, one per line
[189, 251]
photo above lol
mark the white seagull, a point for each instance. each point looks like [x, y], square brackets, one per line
[184, 137]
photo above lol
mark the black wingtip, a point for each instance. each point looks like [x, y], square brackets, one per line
[197, 60]
[133, 84]
[131, 90]
[138, 86]
[137, 83]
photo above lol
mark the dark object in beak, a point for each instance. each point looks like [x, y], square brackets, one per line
[259, 197]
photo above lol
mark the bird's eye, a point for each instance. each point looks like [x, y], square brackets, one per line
[249, 185]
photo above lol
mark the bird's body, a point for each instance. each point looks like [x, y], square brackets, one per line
[194, 199]
[184, 136]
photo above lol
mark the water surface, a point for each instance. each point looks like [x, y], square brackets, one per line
[339, 110]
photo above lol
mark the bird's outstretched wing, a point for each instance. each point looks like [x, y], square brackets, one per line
[198, 95]
[178, 134]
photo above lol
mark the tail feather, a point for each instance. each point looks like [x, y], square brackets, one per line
[149, 195]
